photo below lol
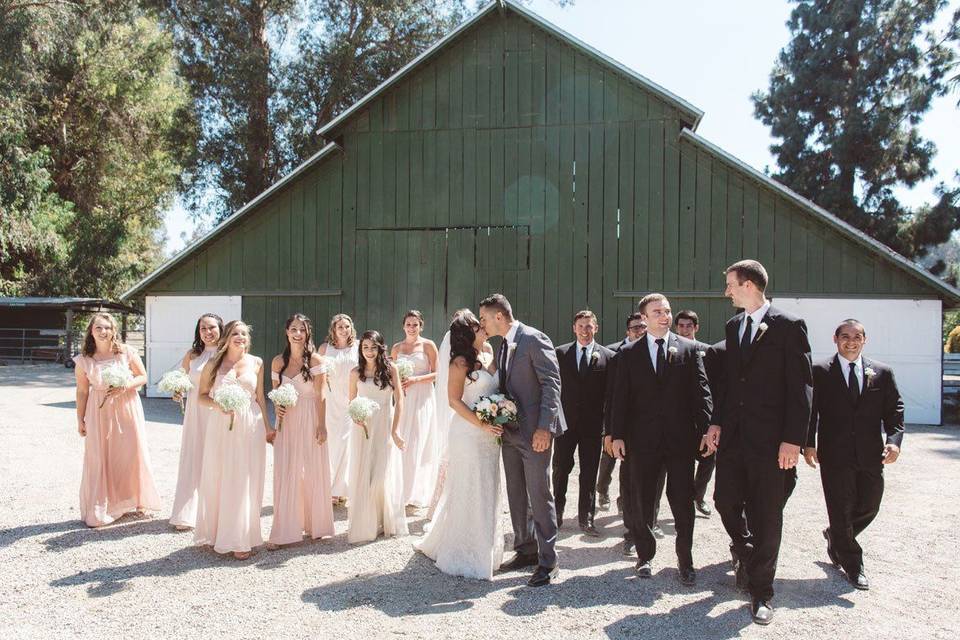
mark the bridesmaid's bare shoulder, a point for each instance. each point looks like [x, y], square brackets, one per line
[316, 359]
[322, 349]
[429, 346]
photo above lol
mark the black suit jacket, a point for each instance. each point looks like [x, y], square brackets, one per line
[767, 394]
[848, 434]
[611, 383]
[582, 396]
[668, 412]
[713, 362]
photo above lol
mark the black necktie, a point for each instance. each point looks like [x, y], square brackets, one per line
[583, 360]
[661, 361]
[854, 383]
[745, 341]
[503, 366]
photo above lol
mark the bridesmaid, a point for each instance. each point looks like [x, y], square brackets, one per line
[418, 428]
[341, 347]
[234, 460]
[376, 486]
[301, 466]
[116, 465]
[206, 335]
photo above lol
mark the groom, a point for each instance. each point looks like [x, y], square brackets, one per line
[529, 374]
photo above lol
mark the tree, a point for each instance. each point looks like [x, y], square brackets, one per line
[89, 138]
[845, 98]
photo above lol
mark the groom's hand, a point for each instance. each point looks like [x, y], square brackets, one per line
[541, 440]
[619, 449]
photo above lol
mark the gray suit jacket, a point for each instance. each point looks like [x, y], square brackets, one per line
[533, 381]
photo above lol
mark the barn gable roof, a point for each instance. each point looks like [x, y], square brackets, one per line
[843, 228]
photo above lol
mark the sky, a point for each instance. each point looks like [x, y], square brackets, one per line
[712, 53]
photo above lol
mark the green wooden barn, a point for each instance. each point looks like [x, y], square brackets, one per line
[512, 157]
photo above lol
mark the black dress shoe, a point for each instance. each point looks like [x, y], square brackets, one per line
[703, 507]
[542, 576]
[834, 558]
[588, 528]
[657, 532]
[644, 570]
[688, 576]
[520, 561]
[761, 611]
[603, 501]
[629, 549]
[859, 580]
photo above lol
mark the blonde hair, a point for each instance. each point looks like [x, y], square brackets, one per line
[224, 344]
[90, 343]
[332, 331]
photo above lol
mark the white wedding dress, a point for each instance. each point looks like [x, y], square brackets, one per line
[466, 537]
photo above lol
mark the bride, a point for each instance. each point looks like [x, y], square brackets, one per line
[466, 538]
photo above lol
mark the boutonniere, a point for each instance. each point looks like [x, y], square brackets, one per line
[761, 329]
[594, 357]
[702, 354]
[869, 372]
[511, 346]
[673, 354]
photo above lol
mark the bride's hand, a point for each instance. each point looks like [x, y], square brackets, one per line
[492, 429]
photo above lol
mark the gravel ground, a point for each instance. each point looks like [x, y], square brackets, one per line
[139, 577]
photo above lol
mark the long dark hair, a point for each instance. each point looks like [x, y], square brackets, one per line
[463, 333]
[198, 345]
[381, 376]
[308, 346]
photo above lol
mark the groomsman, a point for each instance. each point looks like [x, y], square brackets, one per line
[688, 323]
[583, 382]
[761, 426]
[855, 403]
[636, 327]
[661, 408]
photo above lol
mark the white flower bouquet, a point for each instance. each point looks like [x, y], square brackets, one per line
[361, 410]
[116, 376]
[231, 398]
[177, 383]
[284, 396]
[496, 409]
[404, 368]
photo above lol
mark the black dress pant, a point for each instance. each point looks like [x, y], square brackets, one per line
[605, 474]
[754, 485]
[853, 500]
[704, 473]
[641, 517]
[588, 445]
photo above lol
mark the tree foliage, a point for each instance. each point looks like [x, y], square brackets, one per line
[845, 100]
[90, 143]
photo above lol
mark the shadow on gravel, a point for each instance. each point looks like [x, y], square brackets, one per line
[691, 620]
[394, 595]
[14, 534]
[162, 410]
[125, 527]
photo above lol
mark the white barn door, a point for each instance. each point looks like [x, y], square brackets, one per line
[905, 334]
[171, 321]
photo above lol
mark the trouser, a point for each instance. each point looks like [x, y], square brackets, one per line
[645, 468]
[755, 486]
[532, 511]
[588, 447]
[853, 501]
[702, 479]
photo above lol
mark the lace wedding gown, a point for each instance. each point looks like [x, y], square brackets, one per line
[466, 538]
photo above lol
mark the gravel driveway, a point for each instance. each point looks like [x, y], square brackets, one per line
[140, 578]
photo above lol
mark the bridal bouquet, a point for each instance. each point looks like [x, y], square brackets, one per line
[231, 398]
[404, 368]
[116, 376]
[496, 409]
[361, 410]
[176, 383]
[284, 396]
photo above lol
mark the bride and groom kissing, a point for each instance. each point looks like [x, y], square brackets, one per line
[465, 538]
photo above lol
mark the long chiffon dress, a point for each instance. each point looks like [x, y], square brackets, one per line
[232, 475]
[339, 426]
[195, 418]
[116, 464]
[301, 470]
[418, 428]
[376, 482]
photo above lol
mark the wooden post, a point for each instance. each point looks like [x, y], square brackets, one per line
[123, 328]
[68, 341]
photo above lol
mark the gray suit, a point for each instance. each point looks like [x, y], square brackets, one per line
[532, 379]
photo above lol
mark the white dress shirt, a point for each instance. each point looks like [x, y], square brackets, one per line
[652, 348]
[510, 338]
[590, 348]
[845, 369]
[757, 319]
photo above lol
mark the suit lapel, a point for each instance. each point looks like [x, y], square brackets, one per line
[757, 337]
[733, 340]
[645, 356]
[841, 380]
[511, 357]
